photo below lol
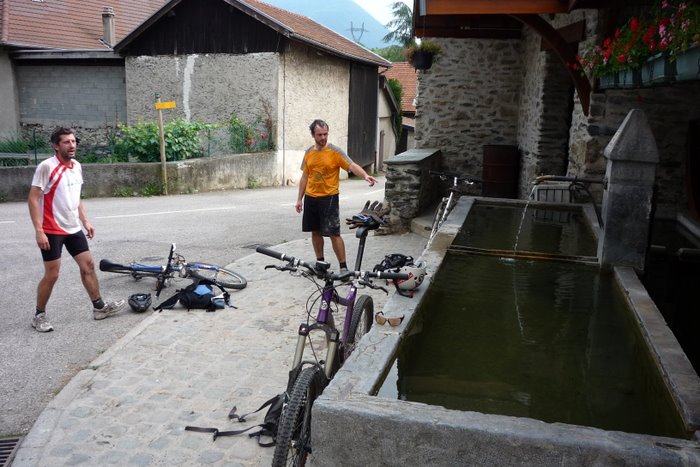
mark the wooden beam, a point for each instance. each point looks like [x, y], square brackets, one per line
[572, 34]
[565, 53]
[490, 7]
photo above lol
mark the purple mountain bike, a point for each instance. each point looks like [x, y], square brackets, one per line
[308, 378]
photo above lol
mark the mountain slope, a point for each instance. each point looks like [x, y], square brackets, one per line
[342, 16]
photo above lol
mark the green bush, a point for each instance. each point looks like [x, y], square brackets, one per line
[244, 138]
[182, 140]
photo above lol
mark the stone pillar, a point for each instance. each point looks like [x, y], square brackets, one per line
[409, 187]
[632, 157]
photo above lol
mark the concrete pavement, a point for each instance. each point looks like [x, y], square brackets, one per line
[178, 368]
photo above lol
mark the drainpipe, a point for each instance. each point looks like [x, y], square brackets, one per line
[632, 157]
[108, 33]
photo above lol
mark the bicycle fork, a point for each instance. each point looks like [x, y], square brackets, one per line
[332, 335]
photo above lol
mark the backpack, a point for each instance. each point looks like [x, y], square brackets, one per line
[270, 423]
[199, 295]
[268, 427]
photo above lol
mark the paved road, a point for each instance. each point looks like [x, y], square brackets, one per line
[218, 228]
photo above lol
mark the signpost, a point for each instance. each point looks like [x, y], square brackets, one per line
[163, 168]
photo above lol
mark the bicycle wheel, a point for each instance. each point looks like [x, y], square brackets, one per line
[224, 277]
[440, 214]
[293, 441]
[360, 323]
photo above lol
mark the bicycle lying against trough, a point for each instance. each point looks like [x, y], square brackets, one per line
[448, 203]
[177, 267]
[308, 378]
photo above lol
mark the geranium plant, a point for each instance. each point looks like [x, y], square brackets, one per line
[671, 27]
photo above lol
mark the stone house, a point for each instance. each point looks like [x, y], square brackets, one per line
[214, 58]
[502, 80]
[405, 74]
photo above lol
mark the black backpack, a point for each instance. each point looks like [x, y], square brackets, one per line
[270, 423]
[267, 428]
[199, 295]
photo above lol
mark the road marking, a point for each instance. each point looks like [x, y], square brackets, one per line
[225, 208]
[7, 222]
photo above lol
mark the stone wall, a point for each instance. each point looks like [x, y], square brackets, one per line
[409, 188]
[668, 109]
[189, 176]
[469, 98]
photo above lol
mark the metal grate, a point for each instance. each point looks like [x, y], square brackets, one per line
[8, 446]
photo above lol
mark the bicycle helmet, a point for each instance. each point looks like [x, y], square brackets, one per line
[416, 274]
[139, 302]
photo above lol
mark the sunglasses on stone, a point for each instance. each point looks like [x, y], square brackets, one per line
[393, 321]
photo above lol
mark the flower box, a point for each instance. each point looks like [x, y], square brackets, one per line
[629, 78]
[608, 81]
[658, 69]
[688, 64]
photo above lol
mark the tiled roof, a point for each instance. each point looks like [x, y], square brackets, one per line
[406, 75]
[305, 29]
[68, 24]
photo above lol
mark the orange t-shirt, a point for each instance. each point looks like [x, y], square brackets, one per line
[323, 168]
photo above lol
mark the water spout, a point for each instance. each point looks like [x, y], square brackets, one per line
[564, 178]
[576, 183]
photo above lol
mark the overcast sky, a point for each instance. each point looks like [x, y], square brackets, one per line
[381, 9]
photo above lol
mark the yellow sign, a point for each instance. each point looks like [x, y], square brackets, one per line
[165, 105]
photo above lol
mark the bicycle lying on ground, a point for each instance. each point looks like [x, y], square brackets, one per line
[308, 378]
[448, 203]
[177, 266]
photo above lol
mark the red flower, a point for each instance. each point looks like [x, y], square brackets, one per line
[634, 24]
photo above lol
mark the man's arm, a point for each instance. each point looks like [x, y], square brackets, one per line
[302, 189]
[86, 223]
[359, 171]
[34, 202]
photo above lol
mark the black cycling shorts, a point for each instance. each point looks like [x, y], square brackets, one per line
[321, 215]
[75, 244]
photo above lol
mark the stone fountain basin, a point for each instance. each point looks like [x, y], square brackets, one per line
[352, 426]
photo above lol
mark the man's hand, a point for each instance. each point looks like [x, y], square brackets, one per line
[371, 181]
[298, 206]
[42, 241]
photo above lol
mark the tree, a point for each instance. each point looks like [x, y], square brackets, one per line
[401, 26]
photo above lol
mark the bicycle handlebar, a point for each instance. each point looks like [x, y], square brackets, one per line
[323, 273]
[456, 178]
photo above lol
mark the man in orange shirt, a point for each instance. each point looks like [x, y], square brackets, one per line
[319, 190]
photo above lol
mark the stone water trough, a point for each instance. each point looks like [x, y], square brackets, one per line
[352, 425]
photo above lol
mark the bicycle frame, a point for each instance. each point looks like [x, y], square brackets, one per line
[328, 296]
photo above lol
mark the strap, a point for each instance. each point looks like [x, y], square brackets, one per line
[241, 418]
[218, 433]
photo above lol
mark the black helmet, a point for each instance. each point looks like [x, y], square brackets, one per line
[139, 302]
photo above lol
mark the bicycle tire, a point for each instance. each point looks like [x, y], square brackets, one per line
[218, 275]
[360, 323]
[293, 441]
[438, 219]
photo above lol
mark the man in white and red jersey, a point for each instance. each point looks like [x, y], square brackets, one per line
[319, 189]
[59, 219]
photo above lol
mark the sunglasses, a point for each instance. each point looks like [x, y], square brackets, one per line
[393, 321]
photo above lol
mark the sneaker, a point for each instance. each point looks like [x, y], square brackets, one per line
[345, 271]
[41, 324]
[110, 309]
